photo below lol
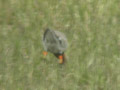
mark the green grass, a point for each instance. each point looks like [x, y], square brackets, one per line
[93, 56]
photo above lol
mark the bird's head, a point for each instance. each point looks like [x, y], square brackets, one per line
[61, 57]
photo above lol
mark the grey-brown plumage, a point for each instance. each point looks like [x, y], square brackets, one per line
[54, 42]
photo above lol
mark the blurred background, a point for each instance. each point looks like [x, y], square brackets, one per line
[93, 56]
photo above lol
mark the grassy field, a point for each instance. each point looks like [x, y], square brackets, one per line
[93, 56]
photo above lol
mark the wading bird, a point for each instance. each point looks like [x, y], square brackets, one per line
[56, 43]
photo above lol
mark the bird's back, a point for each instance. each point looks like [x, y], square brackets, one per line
[52, 42]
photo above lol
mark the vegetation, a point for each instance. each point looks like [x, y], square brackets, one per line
[93, 56]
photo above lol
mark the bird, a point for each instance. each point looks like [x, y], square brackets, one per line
[56, 43]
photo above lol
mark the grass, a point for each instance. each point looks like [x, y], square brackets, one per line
[93, 56]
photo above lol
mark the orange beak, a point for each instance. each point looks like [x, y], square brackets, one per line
[45, 53]
[61, 61]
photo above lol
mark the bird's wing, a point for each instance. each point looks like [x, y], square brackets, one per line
[54, 41]
[62, 40]
[50, 41]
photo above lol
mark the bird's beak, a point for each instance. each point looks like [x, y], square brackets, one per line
[45, 53]
[61, 61]
[61, 58]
